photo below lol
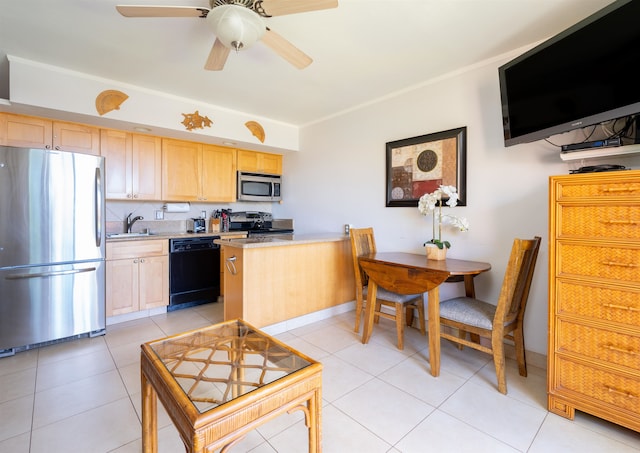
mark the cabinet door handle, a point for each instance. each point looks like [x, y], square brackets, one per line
[230, 264]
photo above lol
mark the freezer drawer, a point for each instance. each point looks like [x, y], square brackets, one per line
[40, 304]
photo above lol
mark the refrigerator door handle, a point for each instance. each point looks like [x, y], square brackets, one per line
[49, 274]
[98, 205]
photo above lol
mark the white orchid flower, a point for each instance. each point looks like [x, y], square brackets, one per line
[428, 203]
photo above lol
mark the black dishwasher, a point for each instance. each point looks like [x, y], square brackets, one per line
[194, 271]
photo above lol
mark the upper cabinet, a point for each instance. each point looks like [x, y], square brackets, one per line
[77, 138]
[218, 173]
[254, 161]
[25, 131]
[133, 165]
[196, 172]
[144, 167]
[32, 132]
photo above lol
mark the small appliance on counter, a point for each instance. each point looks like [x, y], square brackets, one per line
[196, 226]
[258, 223]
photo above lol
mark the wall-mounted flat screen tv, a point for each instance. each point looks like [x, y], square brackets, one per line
[583, 76]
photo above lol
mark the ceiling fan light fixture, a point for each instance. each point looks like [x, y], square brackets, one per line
[237, 27]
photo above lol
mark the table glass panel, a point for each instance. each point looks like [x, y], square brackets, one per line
[215, 365]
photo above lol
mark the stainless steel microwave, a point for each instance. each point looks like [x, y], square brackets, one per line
[259, 187]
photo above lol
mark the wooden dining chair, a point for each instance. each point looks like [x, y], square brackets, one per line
[495, 322]
[402, 306]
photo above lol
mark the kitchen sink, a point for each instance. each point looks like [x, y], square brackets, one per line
[127, 235]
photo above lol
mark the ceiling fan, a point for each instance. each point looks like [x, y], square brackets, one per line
[238, 24]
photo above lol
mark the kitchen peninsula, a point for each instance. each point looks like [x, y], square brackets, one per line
[274, 279]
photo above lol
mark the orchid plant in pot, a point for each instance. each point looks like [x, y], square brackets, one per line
[431, 204]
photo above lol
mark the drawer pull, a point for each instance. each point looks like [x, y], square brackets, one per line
[620, 222]
[614, 263]
[619, 189]
[619, 349]
[621, 307]
[620, 392]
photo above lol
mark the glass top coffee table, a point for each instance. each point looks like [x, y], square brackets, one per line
[220, 382]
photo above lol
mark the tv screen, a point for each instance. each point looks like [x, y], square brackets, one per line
[581, 77]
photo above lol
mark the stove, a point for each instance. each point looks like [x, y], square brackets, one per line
[258, 223]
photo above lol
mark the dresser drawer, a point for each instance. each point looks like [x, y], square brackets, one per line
[622, 222]
[618, 391]
[607, 304]
[602, 344]
[617, 186]
[611, 263]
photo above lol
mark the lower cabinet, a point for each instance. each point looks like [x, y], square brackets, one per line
[137, 275]
[222, 262]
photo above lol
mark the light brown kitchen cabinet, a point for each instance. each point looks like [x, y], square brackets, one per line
[222, 260]
[197, 172]
[255, 161]
[133, 165]
[25, 131]
[32, 132]
[272, 284]
[594, 296]
[78, 138]
[137, 275]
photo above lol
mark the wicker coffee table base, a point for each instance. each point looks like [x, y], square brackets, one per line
[224, 425]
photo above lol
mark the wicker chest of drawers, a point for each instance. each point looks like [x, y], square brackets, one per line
[594, 296]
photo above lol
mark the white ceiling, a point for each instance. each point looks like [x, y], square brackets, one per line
[363, 50]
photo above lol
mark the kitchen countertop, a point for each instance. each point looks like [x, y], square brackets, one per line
[172, 236]
[281, 240]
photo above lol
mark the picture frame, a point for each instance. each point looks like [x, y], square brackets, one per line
[419, 165]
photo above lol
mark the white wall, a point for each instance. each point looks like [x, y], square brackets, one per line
[338, 177]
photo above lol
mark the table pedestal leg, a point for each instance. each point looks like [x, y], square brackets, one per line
[433, 309]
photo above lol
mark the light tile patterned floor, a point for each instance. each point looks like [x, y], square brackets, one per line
[84, 396]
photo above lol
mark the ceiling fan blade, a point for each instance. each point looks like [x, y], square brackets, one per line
[284, 7]
[162, 11]
[217, 56]
[286, 50]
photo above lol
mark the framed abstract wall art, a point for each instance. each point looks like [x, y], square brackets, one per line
[419, 165]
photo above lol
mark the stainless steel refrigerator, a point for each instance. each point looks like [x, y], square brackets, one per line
[52, 270]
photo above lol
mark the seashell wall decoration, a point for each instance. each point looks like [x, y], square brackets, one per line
[110, 100]
[256, 129]
[195, 121]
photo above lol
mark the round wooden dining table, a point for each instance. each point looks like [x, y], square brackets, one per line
[410, 273]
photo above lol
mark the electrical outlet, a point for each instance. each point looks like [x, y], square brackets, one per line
[159, 215]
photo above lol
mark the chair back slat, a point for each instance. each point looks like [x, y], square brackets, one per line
[362, 243]
[517, 281]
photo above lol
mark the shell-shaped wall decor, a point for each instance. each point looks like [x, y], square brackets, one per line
[195, 120]
[256, 129]
[110, 100]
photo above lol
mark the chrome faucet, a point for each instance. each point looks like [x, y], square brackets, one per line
[131, 221]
